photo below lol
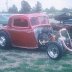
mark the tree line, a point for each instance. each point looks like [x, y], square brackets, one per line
[26, 8]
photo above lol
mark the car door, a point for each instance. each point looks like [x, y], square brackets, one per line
[22, 34]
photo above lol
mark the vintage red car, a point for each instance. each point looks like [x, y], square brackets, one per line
[31, 31]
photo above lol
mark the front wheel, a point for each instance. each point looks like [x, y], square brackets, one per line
[4, 41]
[54, 51]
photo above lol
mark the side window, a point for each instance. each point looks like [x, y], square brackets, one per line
[34, 21]
[21, 22]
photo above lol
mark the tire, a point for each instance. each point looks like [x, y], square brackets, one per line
[4, 41]
[54, 51]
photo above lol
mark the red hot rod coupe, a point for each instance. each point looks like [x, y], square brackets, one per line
[31, 31]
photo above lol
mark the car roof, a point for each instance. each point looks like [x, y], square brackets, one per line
[28, 15]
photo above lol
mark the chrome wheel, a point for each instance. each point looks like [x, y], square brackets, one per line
[53, 52]
[2, 41]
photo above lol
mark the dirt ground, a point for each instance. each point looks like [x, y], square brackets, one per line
[22, 60]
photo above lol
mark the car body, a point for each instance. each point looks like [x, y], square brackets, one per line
[25, 36]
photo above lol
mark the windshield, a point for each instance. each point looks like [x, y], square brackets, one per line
[43, 19]
[34, 21]
[39, 20]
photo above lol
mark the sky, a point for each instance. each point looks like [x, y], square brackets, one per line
[58, 4]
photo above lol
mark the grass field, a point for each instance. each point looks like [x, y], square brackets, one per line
[21, 60]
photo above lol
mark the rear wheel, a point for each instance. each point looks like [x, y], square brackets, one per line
[54, 51]
[4, 41]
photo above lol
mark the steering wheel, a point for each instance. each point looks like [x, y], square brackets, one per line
[65, 39]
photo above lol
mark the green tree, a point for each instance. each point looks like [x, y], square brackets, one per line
[38, 7]
[25, 7]
[46, 10]
[65, 10]
[13, 9]
[52, 10]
